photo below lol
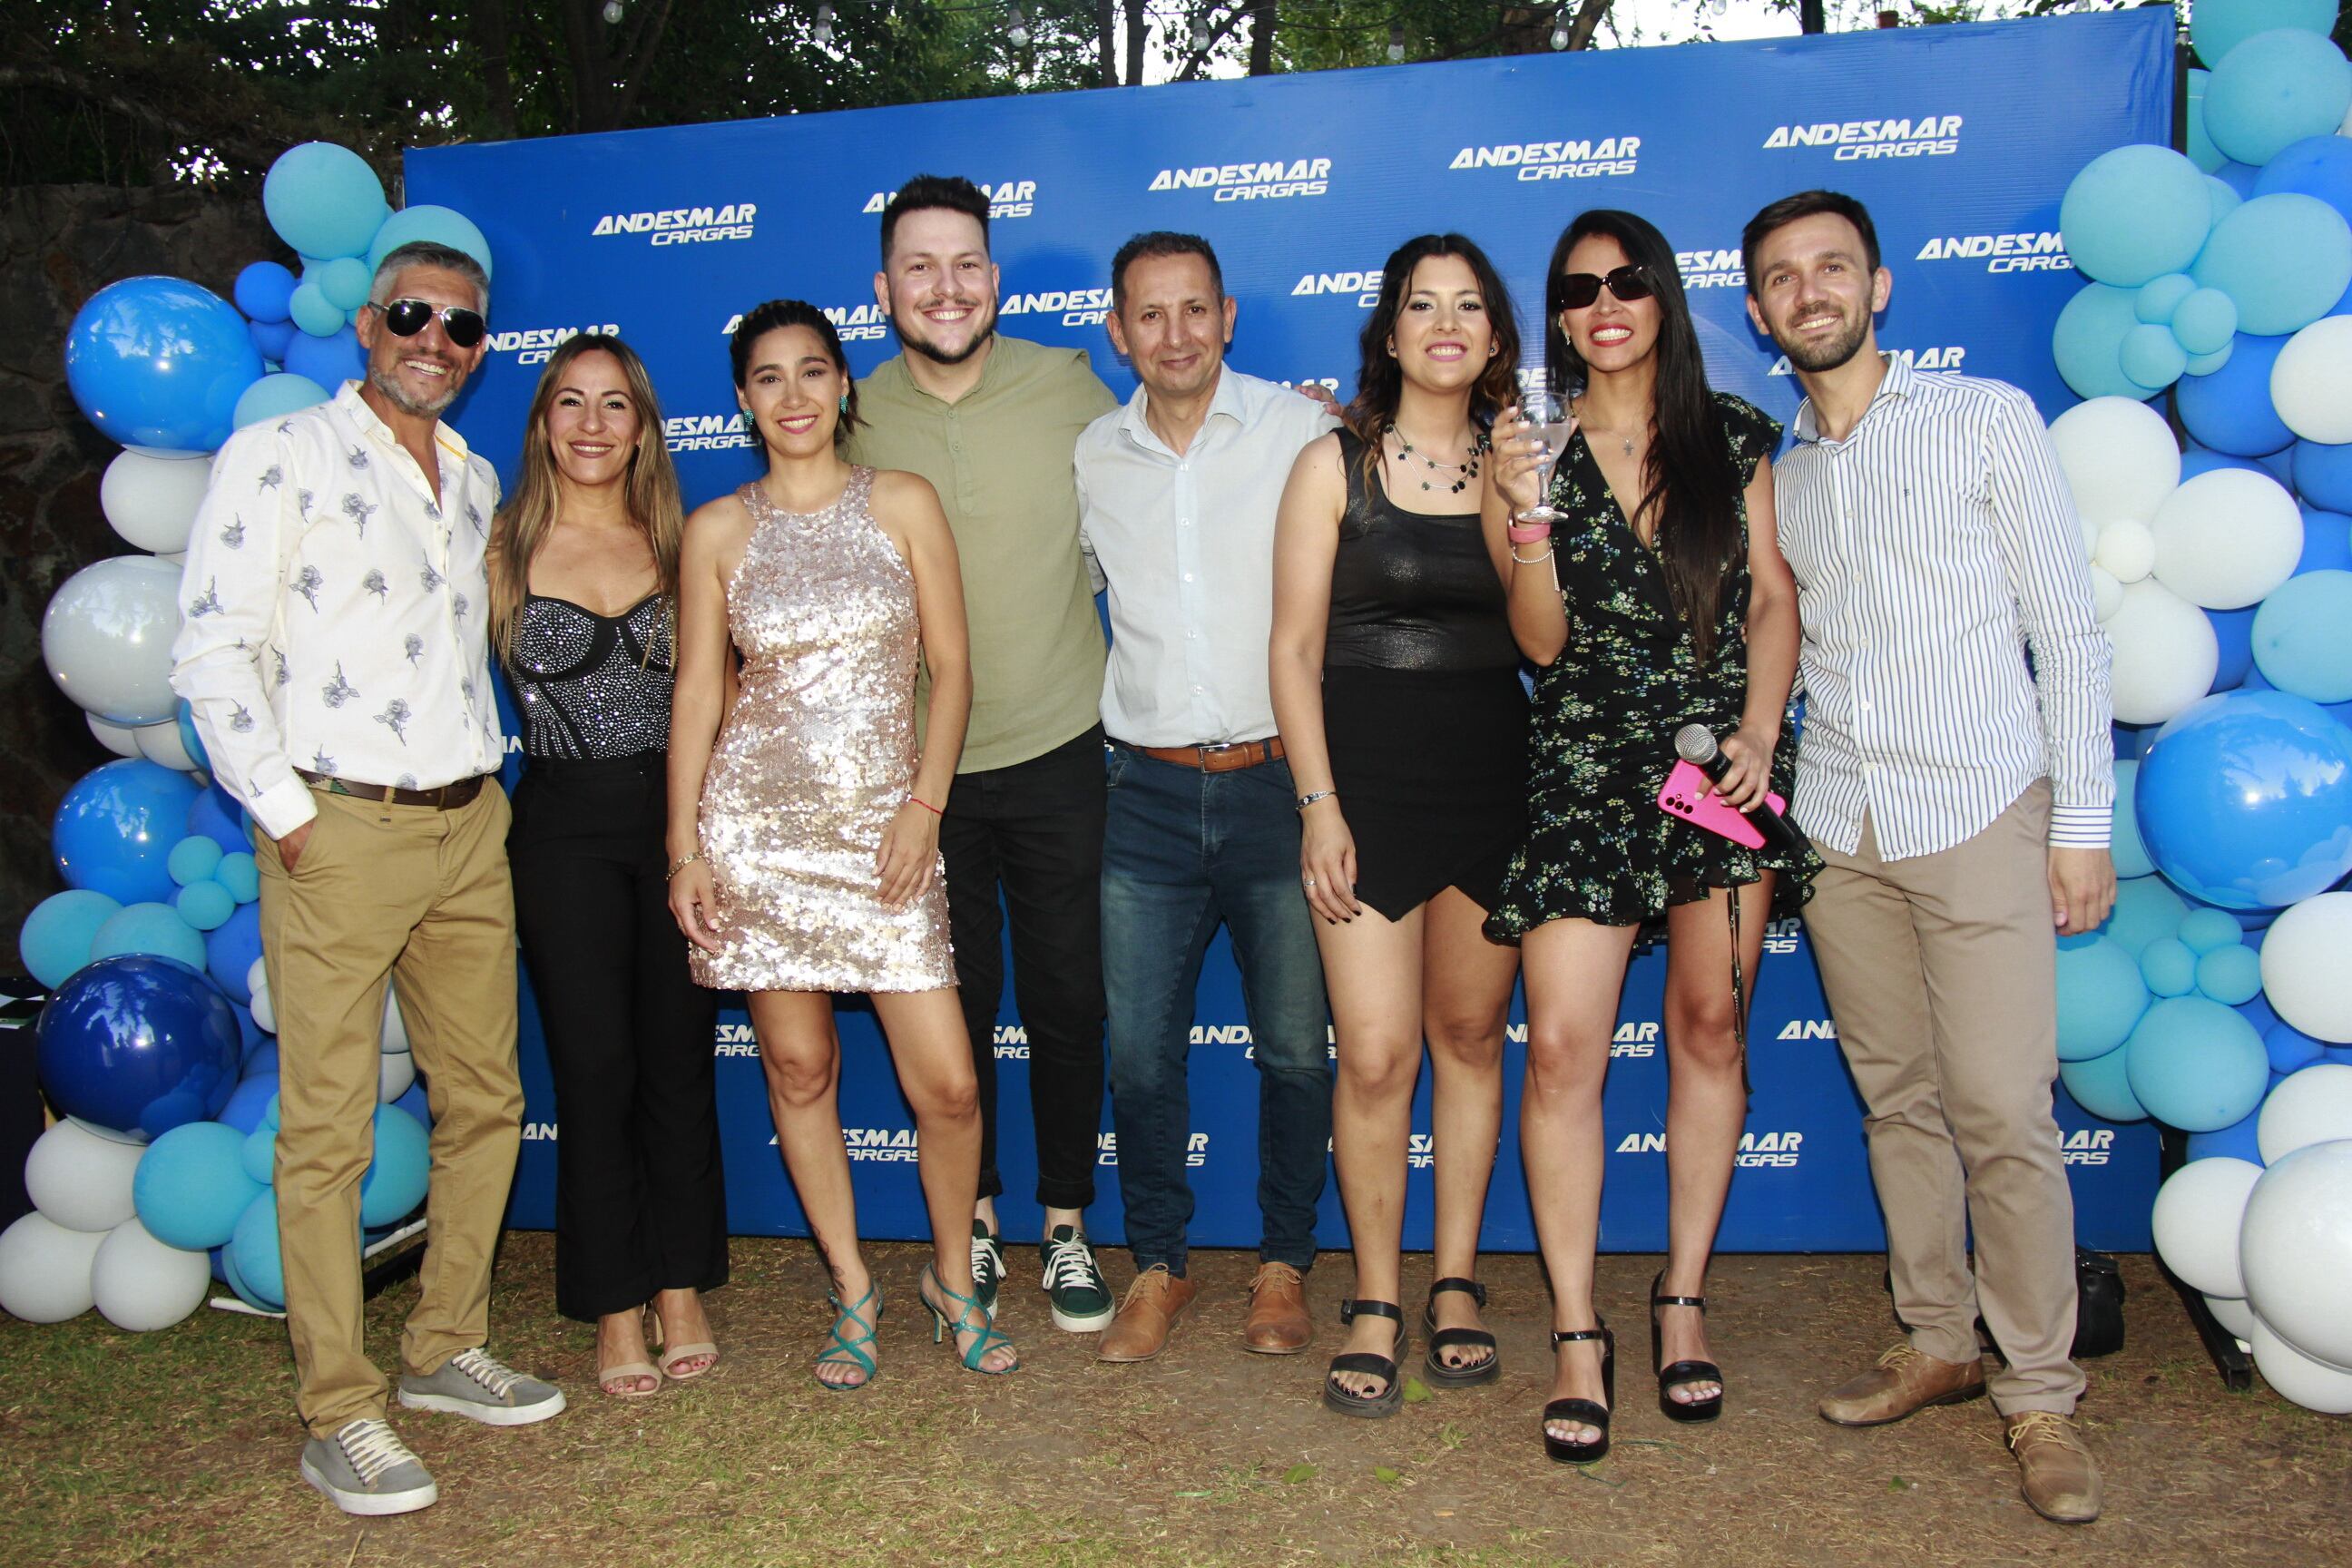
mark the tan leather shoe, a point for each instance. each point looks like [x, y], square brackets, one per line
[1279, 1324]
[2055, 1470]
[1903, 1380]
[1150, 1311]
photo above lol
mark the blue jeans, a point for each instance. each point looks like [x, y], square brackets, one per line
[1183, 851]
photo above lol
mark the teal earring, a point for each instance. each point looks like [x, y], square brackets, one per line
[845, 403]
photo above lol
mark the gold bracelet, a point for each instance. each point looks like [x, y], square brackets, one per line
[680, 865]
[1537, 561]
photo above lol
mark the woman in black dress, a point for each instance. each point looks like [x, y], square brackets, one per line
[584, 595]
[1658, 599]
[1396, 687]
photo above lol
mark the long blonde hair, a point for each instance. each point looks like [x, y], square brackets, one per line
[651, 496]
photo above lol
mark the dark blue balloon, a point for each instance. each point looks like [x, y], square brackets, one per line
[262, 1060]
[2246, 800]
[413, 1102]
[246, 1102]
[2235, 1141]
[272, 338]
[230, 950]
[2323, 475]
[2326, 542]
[216, 815]
[262, 291]
[333, 361]
[2230, 409]
[138, 1044]
[115, 828]
[2200, 459]
[160, 362]
[2233, 631]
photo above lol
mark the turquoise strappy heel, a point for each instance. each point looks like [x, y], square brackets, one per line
[856, 1350]
[968, 1308]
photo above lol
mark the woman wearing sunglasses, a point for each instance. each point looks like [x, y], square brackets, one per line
[583, 597]
[1397, 691]
[1656, 598]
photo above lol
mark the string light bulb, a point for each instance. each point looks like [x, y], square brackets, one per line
[1200, 33]
[823, 28]
[1017, 35]
[1396, 40]
[1560, 36]
[613, 12]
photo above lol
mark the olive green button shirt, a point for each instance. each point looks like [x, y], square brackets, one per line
[1001, 460]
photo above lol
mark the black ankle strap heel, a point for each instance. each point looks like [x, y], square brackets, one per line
[1583, 1412]
[1682, 1371]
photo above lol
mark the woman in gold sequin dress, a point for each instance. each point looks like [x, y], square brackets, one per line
[804, 835]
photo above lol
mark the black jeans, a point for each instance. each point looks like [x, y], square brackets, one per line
[640, 1199]
[1035, 830]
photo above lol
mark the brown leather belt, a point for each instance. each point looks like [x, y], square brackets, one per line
[448, 797]
[1220, 757]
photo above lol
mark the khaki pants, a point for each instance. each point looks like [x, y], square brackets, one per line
[1942, 970]
[418, 896]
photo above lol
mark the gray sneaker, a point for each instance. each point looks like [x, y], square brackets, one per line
[365, 1470]
[474, 1384]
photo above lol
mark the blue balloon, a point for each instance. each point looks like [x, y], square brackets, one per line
[138, 1044]
[248, 1034]
[344, 281]
[2323, 475]
[2230, 975]
[2146, 910]
[2233, 633]
[2152, 356]
[149, 928]
[2245, 799]
[262, 1061]
[2133, 214]
[240, 876]
[2088, 340]
[204, 906]
[328, 361]
[2196, 1065]
[2238, 177]
[2102, 1086]
[193, 859]
[116, 827]
[192, 743]
[2225, 196]
[2201, 151]
[2285, 258]
[2273, 89]
[2235, 1141]
[191, 1188]
[216, 814]
[57, 936]
[2302, 636]
[2291, 1050]
[2168, 967]
[2204, 321]
[257, 1155]
[228, 1276]
[159, 362]
[395, 1180]
[312, 313]
[247, 1102]
[2159, 297]
[2100, 997]
[2318, 166]
[275, 396]
[2207, 364]
[440, 226]
[271, 340]
[2219, 26]
[2129, 854]
[262, 292]
[2199, 459]
[230, 950]
[323, 200]
[253, 1251]
[2202, 931]
[417, 1103]
[2326, 542]
[2230, 409]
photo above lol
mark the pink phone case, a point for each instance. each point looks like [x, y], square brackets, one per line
[1685, 795]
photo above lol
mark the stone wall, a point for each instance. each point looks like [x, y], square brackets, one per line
[59, 245]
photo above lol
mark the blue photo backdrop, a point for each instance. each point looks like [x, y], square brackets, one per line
[1962, 140]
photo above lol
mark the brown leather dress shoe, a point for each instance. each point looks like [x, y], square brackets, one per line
[2055, 1470]
[1150, 1311]
[1279, 1324]
[1903, 1380]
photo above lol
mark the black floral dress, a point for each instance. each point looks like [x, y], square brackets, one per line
[1598, 847]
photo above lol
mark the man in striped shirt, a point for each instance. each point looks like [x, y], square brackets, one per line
[1955, 774]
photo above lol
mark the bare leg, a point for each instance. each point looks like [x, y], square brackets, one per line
[682, 1323]
[802, 1059]
[621, 1338]
[1465, 1000]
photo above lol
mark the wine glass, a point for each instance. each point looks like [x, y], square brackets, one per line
[1548, 419]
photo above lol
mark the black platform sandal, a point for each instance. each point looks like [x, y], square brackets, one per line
[1433, 1365]
[1371, 1406]
[1682, 1371]
[1582, 1412]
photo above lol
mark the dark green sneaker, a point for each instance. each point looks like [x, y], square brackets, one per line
[1074, 1284]
[987, 1264]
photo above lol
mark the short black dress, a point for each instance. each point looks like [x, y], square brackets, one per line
[1598, 847]
[1423, 712]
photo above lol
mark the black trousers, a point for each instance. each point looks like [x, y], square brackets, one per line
[1034, 831]
[640, 1199]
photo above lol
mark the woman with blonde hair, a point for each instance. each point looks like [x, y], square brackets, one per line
[584, 567]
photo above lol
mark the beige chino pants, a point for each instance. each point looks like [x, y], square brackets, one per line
[419, 897]
[1941, 972]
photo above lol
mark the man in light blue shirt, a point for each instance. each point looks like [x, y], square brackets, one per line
[1177, 495]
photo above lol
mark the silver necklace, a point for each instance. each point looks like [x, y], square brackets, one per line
[1624, 440]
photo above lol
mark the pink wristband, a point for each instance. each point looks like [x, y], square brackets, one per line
[1528, 532]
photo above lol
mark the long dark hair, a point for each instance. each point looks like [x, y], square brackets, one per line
[1379, 379]
[776, 314]
[1690, 484]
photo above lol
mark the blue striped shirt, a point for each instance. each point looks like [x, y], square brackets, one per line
[1935, 548]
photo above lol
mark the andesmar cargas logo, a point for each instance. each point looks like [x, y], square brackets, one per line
[1196, 1150]
[1581, 158]
[888, 1145]
[1074, 307]
[1634, 1038]
[1769, 1151]
[1268, 181]
[1361, 285]
[1852, 141]
[1948, 357]
[1006, 198]
[851, 323]
[2041, 252]
[537, 345]
[682, 226]
[2090, 1146]
[708, 433]
[1722, 269]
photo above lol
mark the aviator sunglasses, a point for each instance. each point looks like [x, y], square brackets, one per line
[465, 328]
[1577, 290]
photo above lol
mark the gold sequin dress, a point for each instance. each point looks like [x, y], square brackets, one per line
[816, 760]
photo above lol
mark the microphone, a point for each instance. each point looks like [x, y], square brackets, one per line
[1696, 745]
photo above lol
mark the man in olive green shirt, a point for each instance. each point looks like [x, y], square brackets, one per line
[992, 423]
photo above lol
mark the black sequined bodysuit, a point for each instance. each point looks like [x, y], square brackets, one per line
[592, 686]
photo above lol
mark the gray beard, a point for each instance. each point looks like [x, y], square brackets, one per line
[384, 380]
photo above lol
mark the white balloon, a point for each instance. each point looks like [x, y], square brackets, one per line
[121, 739]
[140, 1284]
[81, 1180]
[2303, 967]
[2296, 1250]
[264, 1010]
[2311, 1105]
[151, 502]
[2166, 654]
[2106, 594]
[45, 1269]
[2226, 538]
[162, 743]
[2125, 551]
[395, 1036]
[2296, 1377]
[397, 1071]
[2311, 381]
[2120, 460]
[2198, 1212]
[107, 638]
[2234, 1315]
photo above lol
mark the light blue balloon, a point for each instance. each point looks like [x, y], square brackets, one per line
[2145, 910]
[2201, 151]
[2285, 258]
[441, 225]
[2087, 342]
[2226, 198]
[2168, 967]
[193, 859]
[2102, 1086]
[2230, 975]
[2151, 356]
[2204, 319]
[344, 281]
[395, 1180]
[253, 1250]
[262, 291]
[2238, 177]
[57, 936]
[2323, 475]
[2159, 297]
[2202, 931]
[236, 1282]
[2245, 799]
[160, 362]
[323, 200]
[2230, 410]
[204, 906]
[312, 313]
[2302, 636]
[2319, 167]
[240, 876]
[2134, 213]
[2217, 27]
[2100, 997]
[327, 362]
[2290, 1049]
[257, 1155]
[2273, 89]
[276, 396]
[2326, 542]
[2129, 854]
[191, 1188]
[2206, 364]
[149, 928]
[2196, 1065]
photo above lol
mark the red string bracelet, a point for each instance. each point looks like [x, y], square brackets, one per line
[926, 804]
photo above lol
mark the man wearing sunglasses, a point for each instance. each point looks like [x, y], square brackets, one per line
[334, 653]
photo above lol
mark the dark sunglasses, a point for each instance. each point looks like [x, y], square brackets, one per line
[465, 328]
[1577, 290]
